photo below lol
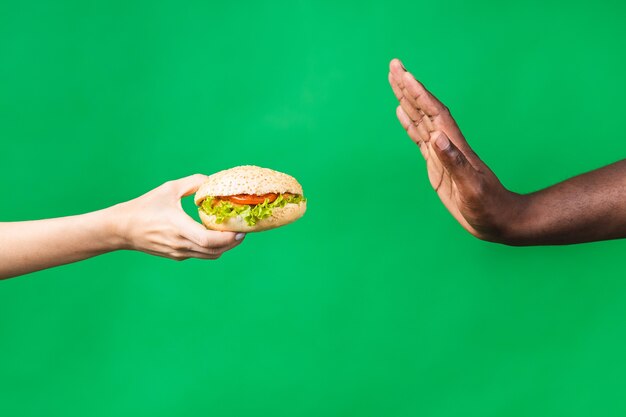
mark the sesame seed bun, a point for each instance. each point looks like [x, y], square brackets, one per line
[250, 180]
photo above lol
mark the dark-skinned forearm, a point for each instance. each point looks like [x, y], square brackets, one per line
[588, 207]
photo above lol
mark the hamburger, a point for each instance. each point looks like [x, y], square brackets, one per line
[249, 199]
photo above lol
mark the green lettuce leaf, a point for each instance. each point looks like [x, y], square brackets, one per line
[224, 210]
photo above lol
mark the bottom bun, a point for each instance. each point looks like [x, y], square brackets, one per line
[280, 217]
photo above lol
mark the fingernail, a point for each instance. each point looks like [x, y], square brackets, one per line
[442, 142]
[240, 236]
[402, 65]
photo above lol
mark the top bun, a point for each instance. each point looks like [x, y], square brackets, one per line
[247, 179]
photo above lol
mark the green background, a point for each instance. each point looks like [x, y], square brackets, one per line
[350, 311]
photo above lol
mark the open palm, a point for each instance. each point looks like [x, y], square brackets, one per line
[465, 185]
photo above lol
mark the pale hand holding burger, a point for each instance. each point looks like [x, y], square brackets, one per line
[235, 201]
[153, 223]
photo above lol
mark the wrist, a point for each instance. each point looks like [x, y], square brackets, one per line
[514, 225]
[502, 219]
[113, 227]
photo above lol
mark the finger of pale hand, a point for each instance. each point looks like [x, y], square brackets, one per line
[183, 244]
[225, 240]
[197, 233]
[212, 249]
[200, 255]
[188, 185]
[186, 254]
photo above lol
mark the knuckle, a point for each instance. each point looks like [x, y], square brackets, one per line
[180, 246]
[177, 256]
[206, 242]
[215, 252]
[480, 188]
[199, 177]
[168, 186]
[458, 159]
[474, 196]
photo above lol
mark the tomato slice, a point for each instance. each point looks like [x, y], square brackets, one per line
[250, 199]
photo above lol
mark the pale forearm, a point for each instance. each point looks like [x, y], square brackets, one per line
[585, 208]
[33, 245]
[153, 223]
